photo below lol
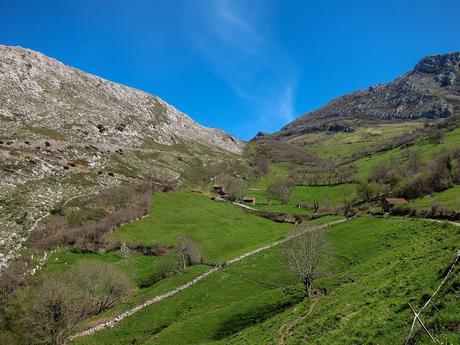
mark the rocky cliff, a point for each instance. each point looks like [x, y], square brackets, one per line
[430, 91]
[64, 132]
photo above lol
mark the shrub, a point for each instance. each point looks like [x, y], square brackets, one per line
[102, 284]
[126, 204]
[47, 311]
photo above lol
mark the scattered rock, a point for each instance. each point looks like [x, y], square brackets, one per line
[101, 128]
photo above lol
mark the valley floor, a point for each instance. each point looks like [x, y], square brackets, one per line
[377, 267]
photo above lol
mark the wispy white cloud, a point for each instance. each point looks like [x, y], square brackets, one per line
[234, 29]
[239, 46]
[286, 103]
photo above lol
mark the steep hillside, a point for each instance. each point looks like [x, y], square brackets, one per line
[377, 267]
[38, 92]
[430, 91]
[64, 132]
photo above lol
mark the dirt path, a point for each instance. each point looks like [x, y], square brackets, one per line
[286, 330]
[441, 221]
[113, 321]
[245, 206]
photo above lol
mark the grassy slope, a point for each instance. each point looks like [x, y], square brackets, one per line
[337, 146]
[449, 197]
[224, 230]
[427, 149]
[379, 266]
[172, 215]
[325, 195]
[137, 267]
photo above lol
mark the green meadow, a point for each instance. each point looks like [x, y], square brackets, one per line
[332, 195]
[341, 145]
[377, 266]
[224, 230]
[449, 198]
[426, 147]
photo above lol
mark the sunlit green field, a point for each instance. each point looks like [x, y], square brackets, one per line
[341, 145]
[377, 267]
[224, 230]
[325, 196]
[427, 149]
[449, 198]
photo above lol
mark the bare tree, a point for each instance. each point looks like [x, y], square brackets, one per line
[124, 251]
[48, 311]
[280, 189]
[189, 252]
[414, 161]
[438, 136]
[262, 166]
[347, 206]
[104, 285]
[285, 192]
[233, 186]
[270, 191]
[315, 205]
[305, 254]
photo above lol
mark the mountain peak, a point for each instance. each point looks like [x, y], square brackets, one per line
[39, 91]
[446, 67]
[430, 91]
[439, 63]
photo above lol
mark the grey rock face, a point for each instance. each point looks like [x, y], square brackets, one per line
[64, 132]
[428, 91]
[439, 64]
[38, 91]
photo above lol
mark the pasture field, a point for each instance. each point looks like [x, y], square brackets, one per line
[333, 195]
[223, 230]
[377, 266]
[426, 147]
[338, 146]
[449, 198]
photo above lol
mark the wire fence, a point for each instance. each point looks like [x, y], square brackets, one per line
[417, 319]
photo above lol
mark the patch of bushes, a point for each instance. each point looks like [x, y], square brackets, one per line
[417, 178]
[48, 309]
[124, 205]
[435, 211]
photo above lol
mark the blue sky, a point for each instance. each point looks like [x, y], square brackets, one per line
[242, 66]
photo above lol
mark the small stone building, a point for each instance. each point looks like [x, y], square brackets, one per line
[218, 188]
[389, 203]
[249, 200]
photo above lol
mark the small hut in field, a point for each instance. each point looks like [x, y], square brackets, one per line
[249, 200]
[218, 188]
[389, 203]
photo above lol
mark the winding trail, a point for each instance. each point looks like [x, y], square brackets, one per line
[286, 330]
[440, 221]
[113, 321]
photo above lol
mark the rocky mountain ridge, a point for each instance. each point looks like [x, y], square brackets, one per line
[64, 132]
[430, 91]
[40, 91]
